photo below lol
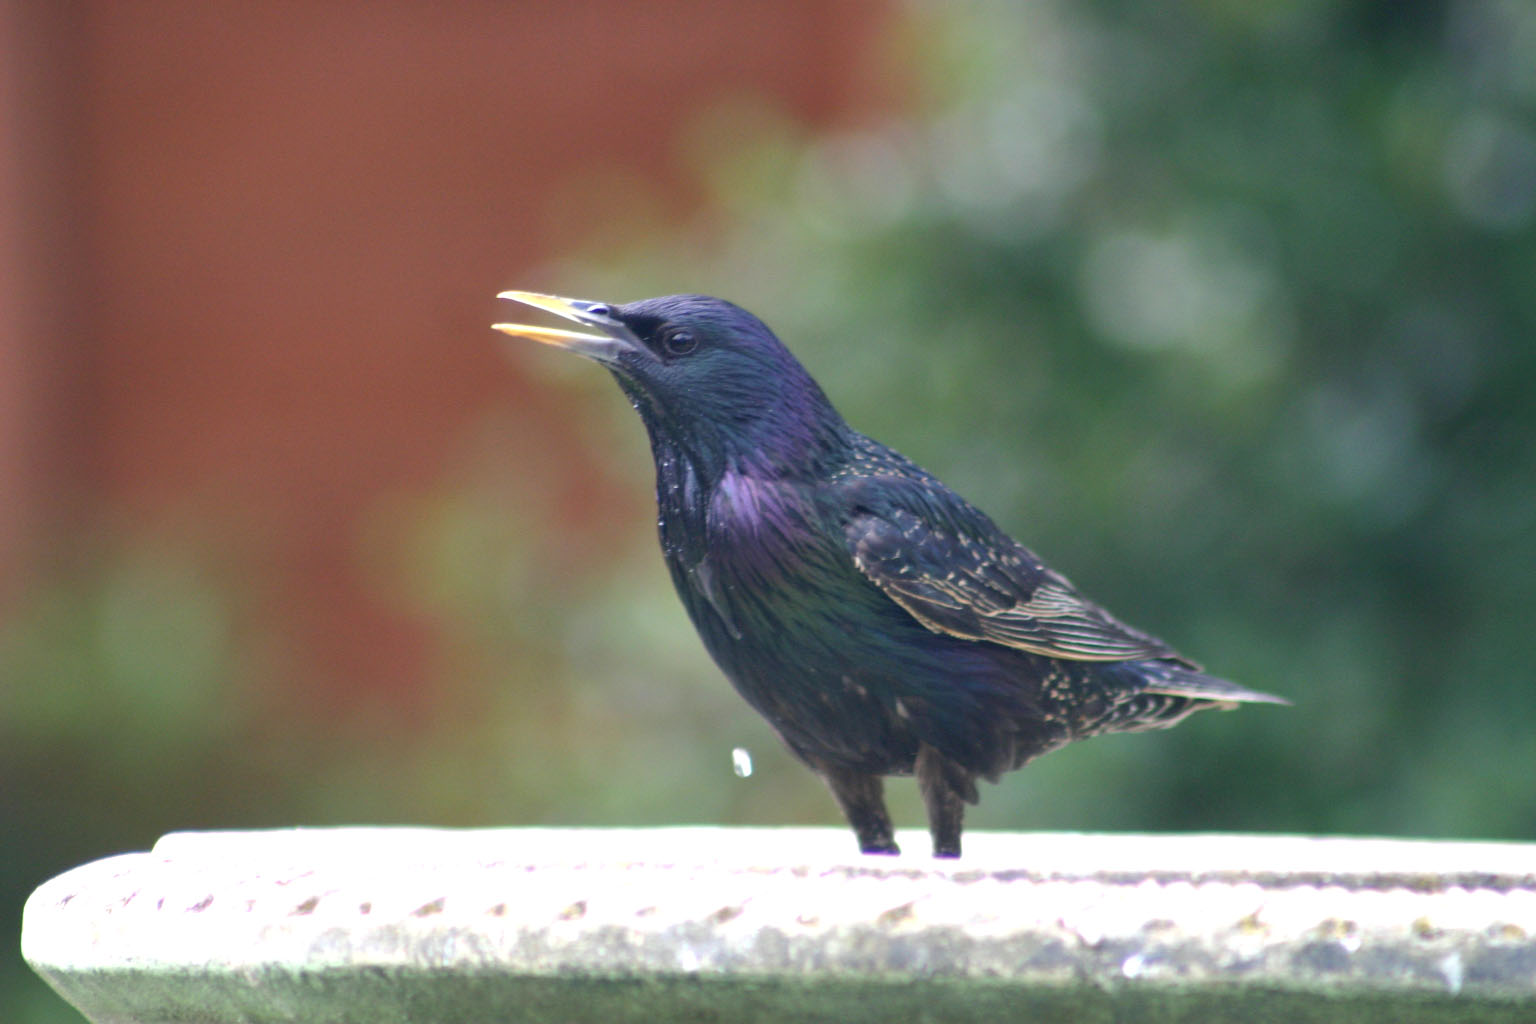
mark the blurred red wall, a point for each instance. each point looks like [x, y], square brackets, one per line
[248, 252]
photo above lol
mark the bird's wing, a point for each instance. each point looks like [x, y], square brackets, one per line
[963, 576]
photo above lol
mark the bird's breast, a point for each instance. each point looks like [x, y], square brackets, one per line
[839, 670]
[776, 601]
[753, 563]
[760, 526]
[777, 574]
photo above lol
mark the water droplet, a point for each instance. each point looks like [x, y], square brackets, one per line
[741, 762]
[1451, 970]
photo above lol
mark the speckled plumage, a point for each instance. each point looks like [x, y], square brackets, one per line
[879, 622]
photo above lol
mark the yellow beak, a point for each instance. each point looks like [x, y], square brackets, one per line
[606, 347]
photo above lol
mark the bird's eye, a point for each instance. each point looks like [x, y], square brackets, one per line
[679, 342]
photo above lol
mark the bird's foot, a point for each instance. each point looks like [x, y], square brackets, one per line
[887, 848]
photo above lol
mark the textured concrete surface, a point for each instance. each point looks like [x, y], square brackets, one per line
[397, 924]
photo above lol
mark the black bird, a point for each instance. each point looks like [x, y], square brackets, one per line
[878, 621]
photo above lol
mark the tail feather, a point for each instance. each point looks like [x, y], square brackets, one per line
[1178, 681]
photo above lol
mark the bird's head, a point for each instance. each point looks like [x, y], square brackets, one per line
[708, 378]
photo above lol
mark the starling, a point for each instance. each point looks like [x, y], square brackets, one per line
[879, 622]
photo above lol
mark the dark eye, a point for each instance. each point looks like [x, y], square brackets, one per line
[678, 341]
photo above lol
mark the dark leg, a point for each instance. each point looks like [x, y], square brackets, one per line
[936, 779]
[862, 798]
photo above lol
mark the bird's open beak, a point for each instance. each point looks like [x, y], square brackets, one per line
[606, 347]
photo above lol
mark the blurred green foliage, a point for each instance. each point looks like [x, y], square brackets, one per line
[1227, 309]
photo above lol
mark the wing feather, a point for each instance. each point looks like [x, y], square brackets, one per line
[970, 580]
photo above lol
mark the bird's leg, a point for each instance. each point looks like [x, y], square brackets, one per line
[862, 798]
[946, 807]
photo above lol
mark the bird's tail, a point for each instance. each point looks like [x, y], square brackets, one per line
[1178, 680]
